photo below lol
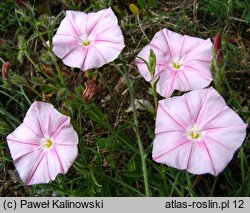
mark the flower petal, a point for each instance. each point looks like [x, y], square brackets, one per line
[222, 145]
[202, 68]
[196, 79]
[200, 161]
[76, 21]
[215, 113]
[172, 149]
[66, 155]
[27, 166]
[64, 44]
[189, 43]
[54, 164]
[102, 21]
[76, 57]
[66, 26]
[201, 52]
[174, 42]
[44, 117]
[22, 141]
[173, 109]
[161, 55]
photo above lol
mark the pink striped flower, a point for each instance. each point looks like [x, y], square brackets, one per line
[44, 145]
[197, 132]
[88, 41]
[182, 62]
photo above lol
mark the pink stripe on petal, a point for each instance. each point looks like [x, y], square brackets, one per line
[48, 165]
[59, 128]
[34, 169]
[202, 74]
[213, 116]
[225, 127]
[85, 53]
[23, 153]
[166, 83]
[60, 162]
[168, 131]
[182, 81]
[160, 155]
[203, 48]
[99, 15]
[107, 29]
[171, 52]
[66, 156]
[180, 123]
[69, 16]
[212, 163]
[100, 54]
[203, 106]
[32, 143]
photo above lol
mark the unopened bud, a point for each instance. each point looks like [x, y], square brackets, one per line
[47, 69]
[5, 68]
[90, 90]
[152, 61]
[219, 56]
[217, 43]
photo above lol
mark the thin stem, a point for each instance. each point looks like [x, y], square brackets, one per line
[24, 94]
[139, 22]
[108, 87]
[242, 165]
[175, 182]
[189, 186]
[213, 187]
[59, 72]
[30, 59]
[138, 136]
[154, 93]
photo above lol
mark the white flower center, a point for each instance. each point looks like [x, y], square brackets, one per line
[47, 143]
[177, 63]
[86, 40]
[195, 134]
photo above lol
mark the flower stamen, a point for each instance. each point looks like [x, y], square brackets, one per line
[177, 63]
[195, 134]
[86, 41]
[47, 143]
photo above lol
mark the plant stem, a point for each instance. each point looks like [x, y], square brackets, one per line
[30, 59]
[242, 165]
[59, 72]
[154, 93]
[138, 136]
[213, 187]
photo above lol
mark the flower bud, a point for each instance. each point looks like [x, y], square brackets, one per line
[5, 68]
[90, 90]
[219, 56]
[152, 61]
[217, 43]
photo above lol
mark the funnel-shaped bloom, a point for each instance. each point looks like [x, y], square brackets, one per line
[89, 40]
[44, 145]
[182, 62]
[197, 132]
